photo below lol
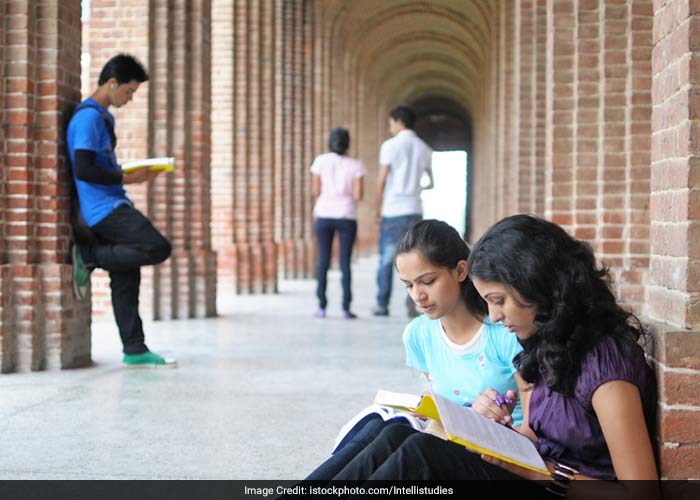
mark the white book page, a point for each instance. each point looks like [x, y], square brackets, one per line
[388, 398]
[164, 160]
[479, 430]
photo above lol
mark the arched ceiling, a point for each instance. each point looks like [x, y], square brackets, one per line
[409, 49]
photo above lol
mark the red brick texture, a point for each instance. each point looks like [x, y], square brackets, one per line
[568, 96]
[674, 256]
[41, 325]
[262, 142]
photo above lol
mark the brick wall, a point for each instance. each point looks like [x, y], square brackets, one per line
[41, 325]
[564, 129]
[674, 284]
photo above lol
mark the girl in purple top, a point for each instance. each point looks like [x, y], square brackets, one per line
[591, 398]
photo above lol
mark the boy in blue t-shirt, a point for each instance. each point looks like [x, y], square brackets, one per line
[124, 239]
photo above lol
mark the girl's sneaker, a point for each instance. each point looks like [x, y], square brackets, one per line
[320, 313]
[349, 315]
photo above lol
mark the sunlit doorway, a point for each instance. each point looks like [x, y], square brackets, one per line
[447, 201]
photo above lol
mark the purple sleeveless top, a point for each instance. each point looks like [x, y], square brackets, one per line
[567, 427]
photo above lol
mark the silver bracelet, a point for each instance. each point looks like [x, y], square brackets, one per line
[562, 475]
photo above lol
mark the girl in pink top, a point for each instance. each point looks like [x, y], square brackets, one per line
[337, 185]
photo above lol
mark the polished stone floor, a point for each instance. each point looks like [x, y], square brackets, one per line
[260, 392]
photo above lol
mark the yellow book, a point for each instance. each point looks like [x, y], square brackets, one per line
[164, 164]
[466, 427]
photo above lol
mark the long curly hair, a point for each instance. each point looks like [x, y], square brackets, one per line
[442, 246]
[558, 274]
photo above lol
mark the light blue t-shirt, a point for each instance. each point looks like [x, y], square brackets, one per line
[87, 130]
[461, 377]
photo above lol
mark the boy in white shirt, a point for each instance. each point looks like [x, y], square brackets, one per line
[403, 160]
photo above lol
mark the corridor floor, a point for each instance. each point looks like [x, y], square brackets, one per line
[260, 392]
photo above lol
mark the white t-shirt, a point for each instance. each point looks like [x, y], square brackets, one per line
[337, 175]
[408, 158]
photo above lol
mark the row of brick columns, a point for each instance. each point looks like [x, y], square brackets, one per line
[254, 84]
[583, 111]
[262, 93]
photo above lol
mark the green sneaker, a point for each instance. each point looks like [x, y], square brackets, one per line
[148, 359]
[81, 274]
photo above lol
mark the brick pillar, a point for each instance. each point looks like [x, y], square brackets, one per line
[529, 49]
[203, 280]
[169, 116]
[674, 288]
[622, 225]
[504, 119]
[222, 139]
[159, 140]
[483, 167]
[559, 173]
[296, 140]
[511, 168]
[244, 141]
[587, 146]
[540, 114]
[634, 275]
[523, 44]
[612, 168]
[41, 324]
[312, 143]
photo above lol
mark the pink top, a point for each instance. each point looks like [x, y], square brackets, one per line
[337, 174]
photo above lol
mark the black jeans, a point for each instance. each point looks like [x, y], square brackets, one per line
[357, 440]
[325, 230]
[401, 453]
[126, 240]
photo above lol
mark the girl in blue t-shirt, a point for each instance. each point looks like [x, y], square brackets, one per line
[460, 352]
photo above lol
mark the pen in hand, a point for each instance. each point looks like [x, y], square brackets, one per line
[501, 400]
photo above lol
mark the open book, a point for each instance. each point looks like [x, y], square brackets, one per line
[468, 428]
[164, 163]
